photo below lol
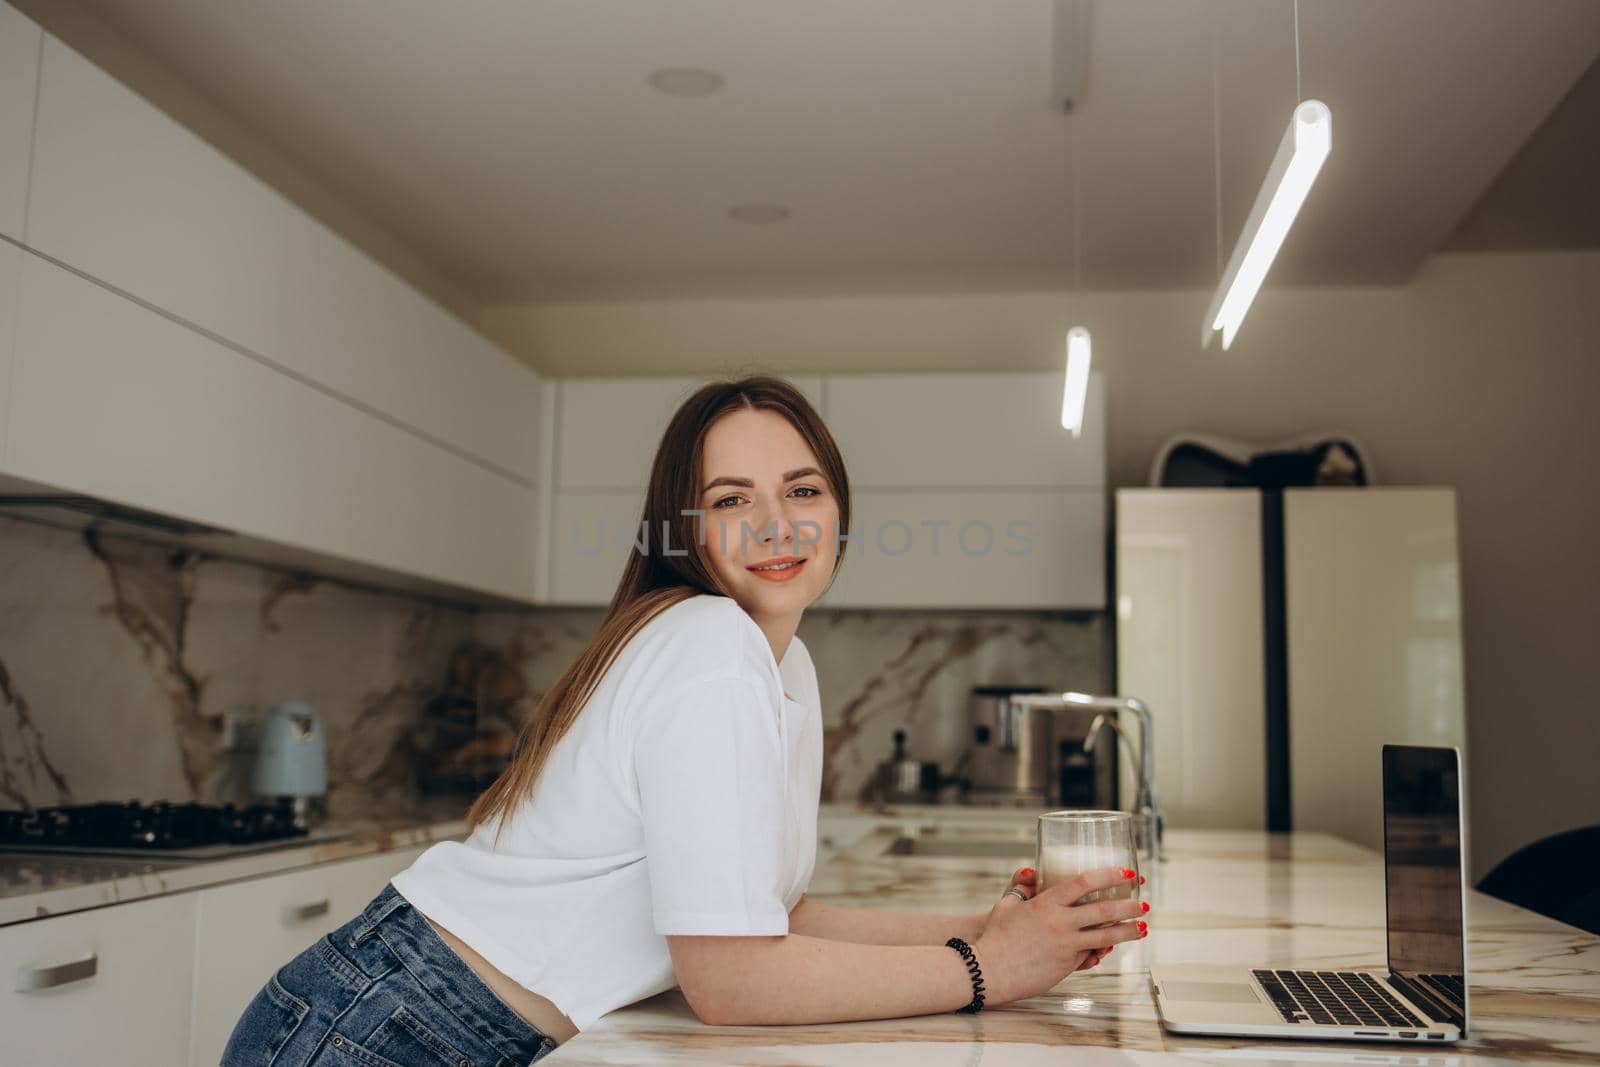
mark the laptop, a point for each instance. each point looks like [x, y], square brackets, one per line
[1422, 996]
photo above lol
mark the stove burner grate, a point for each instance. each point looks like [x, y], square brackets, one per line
[156, 827]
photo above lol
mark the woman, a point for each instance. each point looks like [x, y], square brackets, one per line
[657, 823]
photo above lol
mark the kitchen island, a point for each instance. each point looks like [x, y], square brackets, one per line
[1222, 897]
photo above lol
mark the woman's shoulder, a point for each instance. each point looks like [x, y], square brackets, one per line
[798, 671]
[703, 635]
[704, 614]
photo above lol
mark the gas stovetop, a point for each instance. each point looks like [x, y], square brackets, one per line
[161, 830]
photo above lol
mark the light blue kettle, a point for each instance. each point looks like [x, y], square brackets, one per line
[292, 757]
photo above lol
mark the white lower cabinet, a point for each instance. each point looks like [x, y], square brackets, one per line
[110, 985]
[248, 930]
[160, 982]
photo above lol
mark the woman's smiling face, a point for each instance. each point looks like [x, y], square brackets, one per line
[770, 514]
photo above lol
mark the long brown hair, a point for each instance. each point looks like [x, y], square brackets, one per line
[653, 579]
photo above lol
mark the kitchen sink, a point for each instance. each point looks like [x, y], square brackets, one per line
[977, 847]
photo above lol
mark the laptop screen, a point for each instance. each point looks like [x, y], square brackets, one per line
[1422, 870]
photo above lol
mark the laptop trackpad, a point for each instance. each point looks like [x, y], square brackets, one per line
[1210, 992]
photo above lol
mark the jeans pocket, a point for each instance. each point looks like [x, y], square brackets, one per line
[268, 1022]
[404, 1038]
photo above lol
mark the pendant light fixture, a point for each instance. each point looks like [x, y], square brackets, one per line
[1076, 390]
[1071, 55]
[1075, 385]
[1300, 156]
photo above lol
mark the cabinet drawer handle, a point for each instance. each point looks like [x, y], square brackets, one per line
[35, 979]
[314, 910]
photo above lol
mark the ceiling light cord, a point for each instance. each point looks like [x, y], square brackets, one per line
[1077, 212]
[1299, 94]
[1216, 136]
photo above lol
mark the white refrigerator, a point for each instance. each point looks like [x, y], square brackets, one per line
[1280, 638]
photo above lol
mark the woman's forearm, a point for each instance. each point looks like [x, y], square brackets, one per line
[777, 981]
[867, 927]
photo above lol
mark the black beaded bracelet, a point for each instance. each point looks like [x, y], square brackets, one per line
[972, 968]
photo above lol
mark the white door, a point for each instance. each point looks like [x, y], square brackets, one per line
[1374, 611]
[1189, 644]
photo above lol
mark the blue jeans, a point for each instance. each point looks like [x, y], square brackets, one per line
[383, 990]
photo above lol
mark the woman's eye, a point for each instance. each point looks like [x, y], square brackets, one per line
[726, 502]
[808, 490]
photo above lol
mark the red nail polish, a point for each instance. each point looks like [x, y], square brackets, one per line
[1141, 879]
[1127, 873]
[1144, 928]
[1144, 905]
[1026, 872]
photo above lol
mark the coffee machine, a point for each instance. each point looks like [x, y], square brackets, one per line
[1034, 757]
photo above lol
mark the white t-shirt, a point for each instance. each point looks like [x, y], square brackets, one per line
[682, 801]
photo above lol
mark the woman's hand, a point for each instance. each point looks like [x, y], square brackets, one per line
[1026, 880]
[1028, 946]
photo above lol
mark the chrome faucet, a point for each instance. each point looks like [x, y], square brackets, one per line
[1145, 802]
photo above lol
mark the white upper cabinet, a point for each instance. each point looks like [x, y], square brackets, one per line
[20, 40]
[963, 549]
[606, 433]
[967, 492]
[608, 428]
[354, 327]
[10, 280]
[935, 431]
[114, 400]
[126, 195]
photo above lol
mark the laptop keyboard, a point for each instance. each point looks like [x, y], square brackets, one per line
[1343, 998]
[1448, 985]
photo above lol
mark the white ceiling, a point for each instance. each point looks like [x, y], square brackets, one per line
[516, 147]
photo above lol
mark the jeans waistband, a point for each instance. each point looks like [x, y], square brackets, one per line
[444, 975]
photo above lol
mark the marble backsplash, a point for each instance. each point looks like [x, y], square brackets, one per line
[876, 670]
[119, 660]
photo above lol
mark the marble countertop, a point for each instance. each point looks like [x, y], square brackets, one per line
[37, 885]
[1222, 897]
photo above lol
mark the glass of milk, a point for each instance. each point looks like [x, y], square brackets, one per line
[1072, 842]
